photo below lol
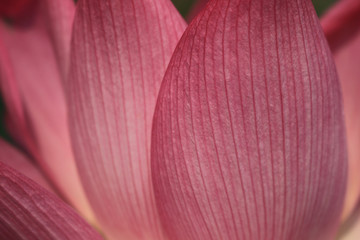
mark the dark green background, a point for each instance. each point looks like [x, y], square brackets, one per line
[183, 6]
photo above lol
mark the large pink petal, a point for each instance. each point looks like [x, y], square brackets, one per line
[248, 137]
[33, 88]
[28, 211]
[342, 29]
[119, 54]
[18, 161]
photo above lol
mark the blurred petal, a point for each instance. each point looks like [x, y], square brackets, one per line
[14, 9]
[350, 229]
[36, 91]
[353, 234]
[59, 16]
[16, 160]
[341, 23]
[28, 211]
[248, 137]
[120, 52]
[16, 120]
[342, 29]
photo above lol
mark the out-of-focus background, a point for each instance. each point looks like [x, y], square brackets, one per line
[184, 7]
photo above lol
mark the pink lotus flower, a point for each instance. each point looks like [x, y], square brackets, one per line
[234, 131]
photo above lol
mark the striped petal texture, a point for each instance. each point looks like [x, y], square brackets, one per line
[28, 211]
[248, 138]
[342, 29]
[120, 51]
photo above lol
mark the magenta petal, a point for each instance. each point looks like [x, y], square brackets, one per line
[342, 29]
[248, 137]
[28, 211]
[119, 54]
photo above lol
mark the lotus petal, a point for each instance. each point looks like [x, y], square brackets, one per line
[120, 50]
[34, 94]
[28, 211]
[15, 159]
[248, 138]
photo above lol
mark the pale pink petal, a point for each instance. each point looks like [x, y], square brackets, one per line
[248, 138]
[342, 29]
[32, 81]
[28, 211]
[15, 159]
[119, 54]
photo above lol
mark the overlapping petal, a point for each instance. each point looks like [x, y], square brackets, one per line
[28, 211]
[120, 50]
[32, 87]
[342, 29]
[248, 138]
[18, 161]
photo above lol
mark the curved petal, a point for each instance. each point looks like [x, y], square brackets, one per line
[342, 29]
[34, 91]
[248, 137]
[119, 54]
[16, 160]
[27, 211]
